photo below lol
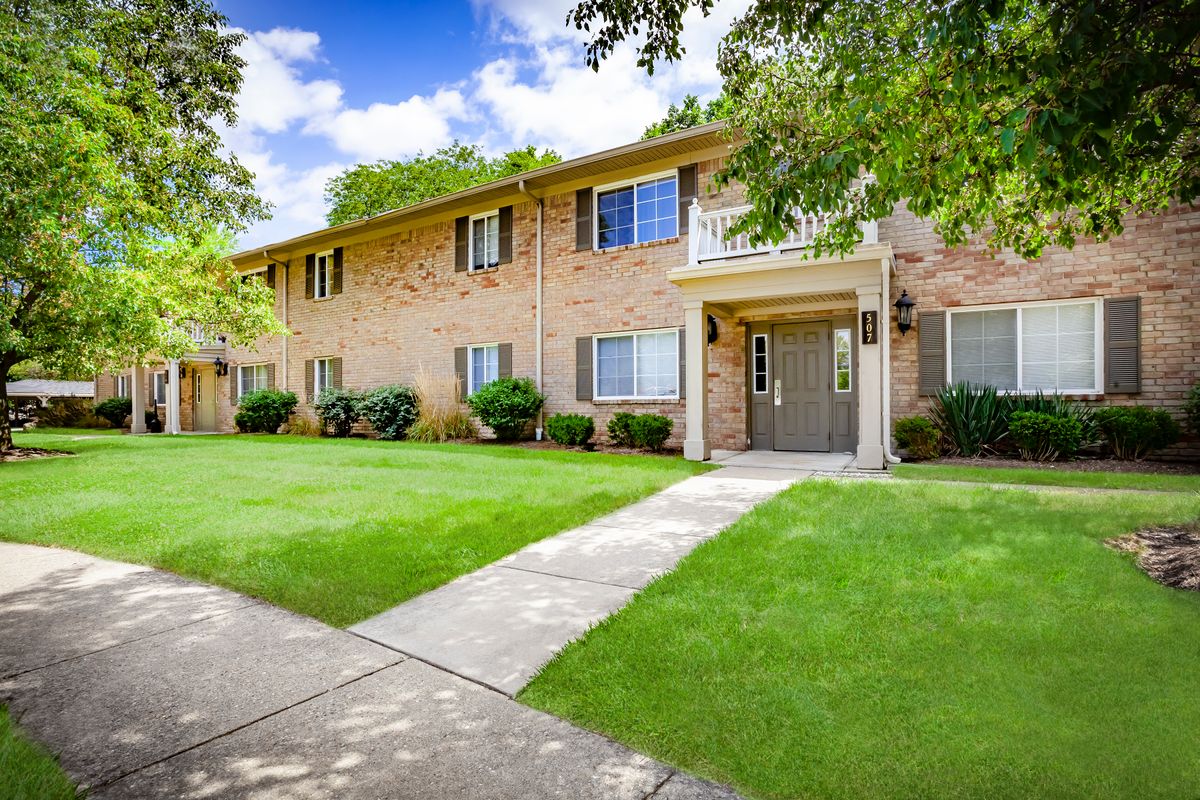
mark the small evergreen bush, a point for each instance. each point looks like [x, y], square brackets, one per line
[1056, 405]
[264, 411]
[650, 431]
[1191, 409]
[506, 405]
[1045, 437]
[919, 436]
[618, 429]
[574, 430]
[67, 412]
[115, 410]
[338, 410]
[391, 410]
[1134, 432]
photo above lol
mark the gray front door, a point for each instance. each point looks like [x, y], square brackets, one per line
[801, 368]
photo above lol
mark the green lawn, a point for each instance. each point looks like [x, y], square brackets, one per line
[907, 640]
[336, 529]
[1049, 477]
[28, 771]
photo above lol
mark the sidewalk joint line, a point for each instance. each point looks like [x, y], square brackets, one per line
[567, 577]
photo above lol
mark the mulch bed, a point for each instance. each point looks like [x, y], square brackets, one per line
[1169, 555]
[595, 447]
[1080, 465]
[30, 453]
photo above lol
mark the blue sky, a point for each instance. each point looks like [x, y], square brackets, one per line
[329, 85]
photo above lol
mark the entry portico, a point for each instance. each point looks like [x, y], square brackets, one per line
[806, 309]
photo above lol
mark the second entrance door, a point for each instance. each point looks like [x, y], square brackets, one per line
[801, 392]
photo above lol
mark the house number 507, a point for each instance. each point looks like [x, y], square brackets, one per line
[870, 327]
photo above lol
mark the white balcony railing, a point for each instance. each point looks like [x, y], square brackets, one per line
[202, 336]
[710, 239]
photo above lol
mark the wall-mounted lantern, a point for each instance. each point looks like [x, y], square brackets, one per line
[712, 329]
[904, 309]
[220, 366]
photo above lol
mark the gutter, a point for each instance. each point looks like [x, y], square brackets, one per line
[284, 355]
[537, 300]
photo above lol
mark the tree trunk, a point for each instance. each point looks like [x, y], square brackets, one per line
[6, 442]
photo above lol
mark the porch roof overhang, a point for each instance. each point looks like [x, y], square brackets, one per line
[774, 283]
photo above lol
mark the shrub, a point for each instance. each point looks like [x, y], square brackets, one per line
[574, 430]
[919, 436]
[1057, 406]
[1191, 409]
[1045, 437]
[439, 413]
[1133, 432]
[506, 405]
[391, 410]
[618, 429]
[972, 419]
[650, 430]
[115, 410]
[68, 412]
[264, 411]
[302, 426]
[338, 410]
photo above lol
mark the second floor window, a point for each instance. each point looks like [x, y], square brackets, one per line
[485, 240]
[323, 275]
[638, 212]
[251, 378]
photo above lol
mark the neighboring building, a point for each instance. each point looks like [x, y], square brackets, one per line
[597, 277]
[42, 390]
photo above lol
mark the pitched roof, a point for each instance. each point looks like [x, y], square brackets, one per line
[39, 387]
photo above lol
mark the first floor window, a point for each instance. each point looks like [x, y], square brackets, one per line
[638, 365]
[160, 388]
[484, 366]
[841, 360]
[485, 241]
[251, 378]
[1046, 346]
[123, 386]
[640, 212]
[323, 275]
[322, 375]
[760, 363]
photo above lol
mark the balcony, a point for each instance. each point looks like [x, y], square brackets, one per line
[204, 338]
[710, 239]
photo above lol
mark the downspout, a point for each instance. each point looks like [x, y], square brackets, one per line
[537, 300]
[284, 346]
[887, 364]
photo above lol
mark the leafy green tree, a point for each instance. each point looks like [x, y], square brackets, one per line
[1029, 122]
[115, 181]
[689, 115]
[365, 190]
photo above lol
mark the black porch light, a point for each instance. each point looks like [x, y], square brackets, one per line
[712, 329]
[218, 366]
[904, 309]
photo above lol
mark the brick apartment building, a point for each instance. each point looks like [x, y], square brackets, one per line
[608, 279]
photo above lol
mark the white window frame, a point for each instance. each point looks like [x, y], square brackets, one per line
[471, 240]
[481, 348]
[323, 290]
[631, 183]
[242, 392]
[616, 335]
[766, 373]
[849, 360]
[1096, 302]
[159, 400]
[123, 386]
[318, 386]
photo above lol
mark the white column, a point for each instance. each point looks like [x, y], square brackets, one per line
[870, 382]
[695, 443]
[173, 397]
[138, 413]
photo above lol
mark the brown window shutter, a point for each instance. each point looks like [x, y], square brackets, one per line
[270, 276]
[931, 352]
[583, 219]
[1122, 344]
[337, 271]
[687, 192]
[682, 363]
[337, 372]
[460, 370]
[233, 385]
[116, 385]
[310, 272]
[504, 357]
[506, 225]
[270, 376]
[462, 234]
[308, 380]
[583, 368]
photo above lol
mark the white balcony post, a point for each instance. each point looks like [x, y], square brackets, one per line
[173, 397]
[694, 232]
[137, 423]
[871, 232]
[695, 443]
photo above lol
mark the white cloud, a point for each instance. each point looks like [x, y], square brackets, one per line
[394, 130]
[273, 94]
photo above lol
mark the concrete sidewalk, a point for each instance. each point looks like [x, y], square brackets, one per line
[151, 686]
[497, 626]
